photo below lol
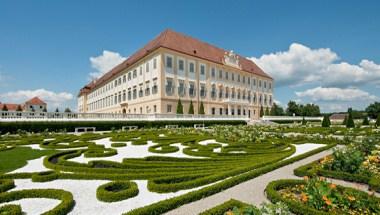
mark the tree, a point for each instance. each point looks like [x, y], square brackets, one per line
[292, 108]
[276, 110]
[304, 121]
[5, 108]
[373, 110]
[365, 121]
[350, 120]
[67, 110]
[33, 110]
[179, 107]
[344, 120]
[44, 110]
[201, 109]
[326, 122]
[378, 121]
[261, 111]
[191, 108]
[57, 110]
[267, 111]
[19, 108]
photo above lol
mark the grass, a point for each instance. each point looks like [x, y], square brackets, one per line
[17, 157]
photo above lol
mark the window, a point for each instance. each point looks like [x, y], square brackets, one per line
[134, 93]
[233, 77]
[270, 85]
[203, 90]
[243, 79]
[181, 66]
[155, 108]
[191, 67]
[169, 86]
[154, 63]
[129, 76]
[134, 73]
[147, 89]
[238, 78]
[226, 75]
[213, 72]
[119, 97]
[181, 88]
[141, 92]
[213, 111]
[213, 91]
[140, 70]
[220, 93]
[233, 94]
[203, 68]
[115, 97]
[119, 82]
[220, 111]
[129, 94]
[227, 93]
[115, 85]
[220, 74]
[147, 67]
[124, 78]
[254, 82]
[192, 89]
[154, 88]
[124, 96]
[169, 108]
[249, 80]
[259, 83]
[169, 62]
[265, 84]
[140, 110]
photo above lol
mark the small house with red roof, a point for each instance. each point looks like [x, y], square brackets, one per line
[33, 105]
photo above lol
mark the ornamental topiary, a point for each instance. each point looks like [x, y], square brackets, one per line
[201, 109]
[179, 107]
[365, 121]
[191, 108]
[261, 111]
[350, 120]
[326, 122]
[378, 120]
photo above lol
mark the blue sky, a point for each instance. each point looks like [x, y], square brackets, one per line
[325, 52]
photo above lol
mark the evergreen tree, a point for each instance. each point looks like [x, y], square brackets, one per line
[201, 109]
[191, 108]
[326, 122]
[344, 121]
[365, 121]
[19, 108]
[261, 111]
[350, 120]
[67, 110]
[276, 110]
[5, 108]
[57, 110]
[179, 107]
[303, 121]
[378, 121]
[267, 111]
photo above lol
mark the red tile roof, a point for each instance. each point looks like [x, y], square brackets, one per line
[181, 43]
[35, 101]
[10, 107]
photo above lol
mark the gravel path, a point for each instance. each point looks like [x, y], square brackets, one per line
[252, 191]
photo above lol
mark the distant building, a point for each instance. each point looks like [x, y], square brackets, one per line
[338, 116]
[33, 105]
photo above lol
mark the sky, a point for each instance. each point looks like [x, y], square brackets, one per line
[324, 52]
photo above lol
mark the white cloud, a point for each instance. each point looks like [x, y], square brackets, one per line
[53, 99]
[336, 94]
[301, 65]
[104, 63]
[332, 99]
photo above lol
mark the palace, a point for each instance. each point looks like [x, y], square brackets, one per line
[174, 66]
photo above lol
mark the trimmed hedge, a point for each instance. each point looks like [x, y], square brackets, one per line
[45, 176]
[66, 205]
[116, 191]
[116, 145]
[223, 208]
[6, 184]
[11, 210]
[13, 127]
[170, 204]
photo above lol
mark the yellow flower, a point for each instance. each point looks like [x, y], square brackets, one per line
[304, 197]
[351, 198]
[306, 178]
[327, 201]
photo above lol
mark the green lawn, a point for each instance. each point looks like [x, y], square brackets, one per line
[17, 157]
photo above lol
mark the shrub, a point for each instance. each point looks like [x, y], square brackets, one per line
[378, 120]
[226, 206]
[191, 107]
[179, 107]
[118, 144]
[10, 210]
[326, 122]
[346, 160]
[201, 109]
[365, 121]
[6, 184]
[117, 191]
[45, 176]
[350, 120]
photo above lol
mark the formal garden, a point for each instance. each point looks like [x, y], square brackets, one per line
[154, 170]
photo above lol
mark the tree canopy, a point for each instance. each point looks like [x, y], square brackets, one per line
[302, 110]
[276, 110]
[373, 110]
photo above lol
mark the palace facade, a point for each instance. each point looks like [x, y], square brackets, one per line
[174, 66]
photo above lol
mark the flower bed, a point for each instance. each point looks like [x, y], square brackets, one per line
[317, 196]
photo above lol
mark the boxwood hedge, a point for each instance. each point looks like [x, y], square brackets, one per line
[116, 191]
